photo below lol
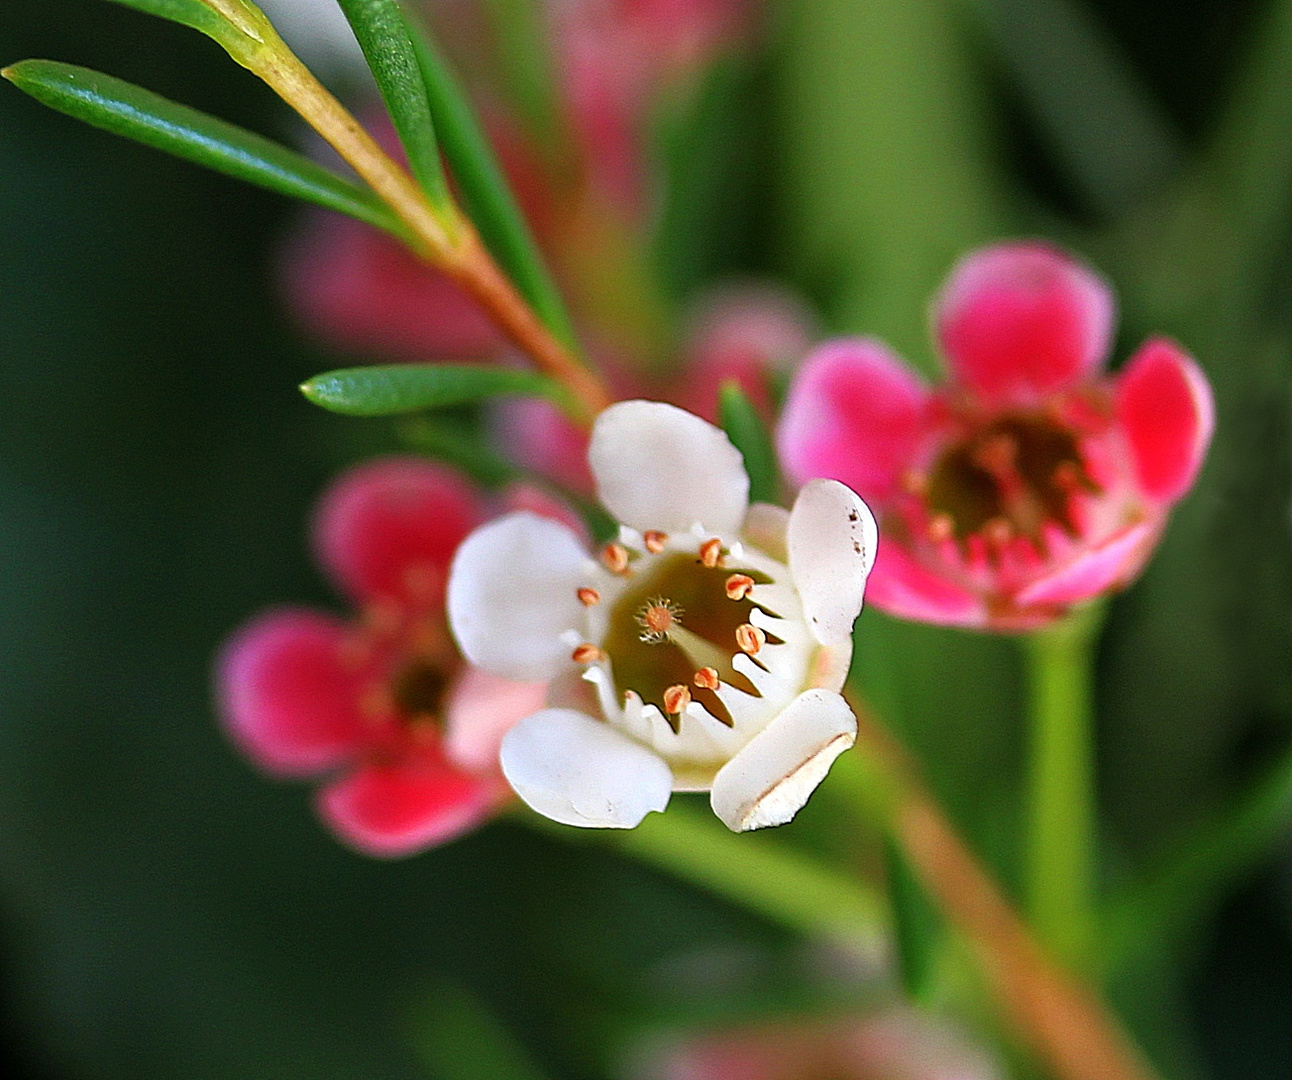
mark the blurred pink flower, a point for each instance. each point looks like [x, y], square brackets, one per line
[1029, 481]
[895, 1045]
[618, 59]
[403, 731]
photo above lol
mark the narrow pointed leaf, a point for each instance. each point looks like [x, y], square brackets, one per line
[239, 26]
[192, 13]
[386, 41]
[389, 389]
[745, 428]
[125, 109]
[488, 199]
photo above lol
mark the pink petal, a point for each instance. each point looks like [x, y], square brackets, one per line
[361, 291]
[388, 528]
[1165, 407]
[855, 414]
[405, 805]
[285, 694]
[1095, 571]
[481, 708]
[900, 586]
[1018, 321]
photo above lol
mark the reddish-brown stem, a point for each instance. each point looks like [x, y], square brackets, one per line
[1065, 1022]
[475, 270]
[442, 236]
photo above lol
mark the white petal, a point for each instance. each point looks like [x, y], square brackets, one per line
[513, 590]
[832, 539]
[660, 467]
[772, 777]
[580, 771]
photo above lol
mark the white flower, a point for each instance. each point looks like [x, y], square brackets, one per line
[704, 650]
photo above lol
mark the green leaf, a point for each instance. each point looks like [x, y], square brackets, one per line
[916, 926]
[139, 114]
[239, 26]
[389, 389]
[192, 13]
[488, 199]
[745, 428]
[386, 40]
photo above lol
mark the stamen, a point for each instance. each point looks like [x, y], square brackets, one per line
[707, 678]
[615, 558]
[738, 586]
[711, 552]
[915, 483]
[998, 531]
[587, 653]
[676, 699]
[654, 540]
[658, 618]
[941, 527]
[589, 597]
[750, 638]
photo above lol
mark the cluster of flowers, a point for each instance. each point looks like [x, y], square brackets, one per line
[706, 645]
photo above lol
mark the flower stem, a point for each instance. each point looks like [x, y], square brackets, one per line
[444, 237]
[1064, 1022]
[758, 872]
[1061, 816]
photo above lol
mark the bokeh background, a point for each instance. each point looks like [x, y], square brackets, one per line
[165, 912]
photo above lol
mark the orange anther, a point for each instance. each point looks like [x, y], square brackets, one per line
[941, 527]
[707, 678]
[589, 597]
[711, 552]
[998, 531]
[738, 586]
[615, 558]
[676, 699]
[654, 540]
[587, 653]
[750, 638]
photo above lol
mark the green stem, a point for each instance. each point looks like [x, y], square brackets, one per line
[760, 873]
[1061, 818]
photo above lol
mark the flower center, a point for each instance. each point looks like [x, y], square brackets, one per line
[418, 689]
[1007, 479]
[672, 635]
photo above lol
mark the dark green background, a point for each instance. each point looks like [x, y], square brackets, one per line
[164, 912]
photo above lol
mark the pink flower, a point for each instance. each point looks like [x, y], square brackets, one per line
[1030, 480]
[894, 1045]
[403, 731]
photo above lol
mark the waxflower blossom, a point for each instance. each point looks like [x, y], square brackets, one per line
[703, 649]
[1029, 481]
[402, 731]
